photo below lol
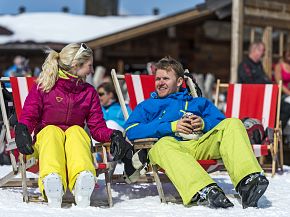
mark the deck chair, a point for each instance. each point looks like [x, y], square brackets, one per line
[20, 88]
[139, 88]
[262, 102]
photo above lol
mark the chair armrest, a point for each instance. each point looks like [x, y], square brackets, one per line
[145, 143]
[145, 140]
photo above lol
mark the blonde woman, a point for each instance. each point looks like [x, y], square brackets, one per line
[56, 109]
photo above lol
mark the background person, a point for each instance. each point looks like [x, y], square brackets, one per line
[282, 72]
[161, 117]
[250, 70]
[111, 107]
[56, 109]
[19, 68]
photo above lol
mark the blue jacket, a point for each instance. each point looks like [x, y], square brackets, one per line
[114, 113]
[153, 117]
[14, 71]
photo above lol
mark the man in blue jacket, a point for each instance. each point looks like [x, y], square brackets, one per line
[162, 116]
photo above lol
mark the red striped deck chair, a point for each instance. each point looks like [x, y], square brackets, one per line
[20, 89]
[262, 102]
[139, 88]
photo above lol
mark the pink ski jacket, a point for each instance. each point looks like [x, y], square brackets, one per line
[70, 102]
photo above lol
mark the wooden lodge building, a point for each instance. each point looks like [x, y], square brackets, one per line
[212, 37]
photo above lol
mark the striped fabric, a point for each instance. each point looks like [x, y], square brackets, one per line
[20, 88]
[254, 101]
[139, 88]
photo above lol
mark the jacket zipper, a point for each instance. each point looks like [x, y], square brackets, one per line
[69, 108]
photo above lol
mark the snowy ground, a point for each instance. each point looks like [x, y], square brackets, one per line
[142, 200]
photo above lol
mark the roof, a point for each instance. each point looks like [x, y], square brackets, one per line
[193, 14]
[64, 27]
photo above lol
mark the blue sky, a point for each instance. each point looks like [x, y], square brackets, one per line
[126, 7]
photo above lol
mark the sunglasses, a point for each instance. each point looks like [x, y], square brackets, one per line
[82, 48]
[101, 93]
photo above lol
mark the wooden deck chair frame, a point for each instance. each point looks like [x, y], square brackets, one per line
[276, 147]
[23, 165]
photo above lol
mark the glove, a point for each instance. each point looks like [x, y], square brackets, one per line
[119, 146]
[23, 139]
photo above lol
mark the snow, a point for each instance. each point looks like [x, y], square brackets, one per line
[64, 27]
[142, 200]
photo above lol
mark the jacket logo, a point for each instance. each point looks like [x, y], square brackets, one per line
[58, 99]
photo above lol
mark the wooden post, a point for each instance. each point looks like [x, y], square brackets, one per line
[267, 61]
[120, 66]
[281, 44]
[237, 37]
[252, 34]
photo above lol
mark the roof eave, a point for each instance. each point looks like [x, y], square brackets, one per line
[150, 27]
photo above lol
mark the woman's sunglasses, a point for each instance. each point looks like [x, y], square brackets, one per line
[101, 93]
[82, 48]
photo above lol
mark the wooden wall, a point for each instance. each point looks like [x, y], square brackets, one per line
[186, 42]
[197, 52]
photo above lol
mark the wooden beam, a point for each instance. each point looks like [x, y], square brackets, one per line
[33, 46]
[263, 13]
[264, 22]
[268, 5]
[237, 38]
[267, 60]
[149, 27]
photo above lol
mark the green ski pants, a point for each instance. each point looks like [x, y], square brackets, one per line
[227, 141]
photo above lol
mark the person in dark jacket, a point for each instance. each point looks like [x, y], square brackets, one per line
[170, 114]
[250, 70]
[56, 110]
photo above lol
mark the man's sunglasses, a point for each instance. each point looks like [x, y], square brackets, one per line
[82, 48]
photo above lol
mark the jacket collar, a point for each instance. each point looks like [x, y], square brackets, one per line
[69, 83]
[183, 93]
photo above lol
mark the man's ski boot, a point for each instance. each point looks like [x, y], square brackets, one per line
[251, 188]
[212, 196]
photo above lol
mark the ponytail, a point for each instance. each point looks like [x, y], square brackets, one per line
[49, 74]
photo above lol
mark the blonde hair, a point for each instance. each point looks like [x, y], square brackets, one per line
[71, 56]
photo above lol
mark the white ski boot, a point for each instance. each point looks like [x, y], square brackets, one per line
[83, 189]
[53, 190]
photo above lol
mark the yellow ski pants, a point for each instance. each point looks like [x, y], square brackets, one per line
[65, 153]
[227, 141]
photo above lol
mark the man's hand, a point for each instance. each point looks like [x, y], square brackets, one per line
[23, 139]
[196, 123]
[187, 125]
[184, 126]
[119, 146]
